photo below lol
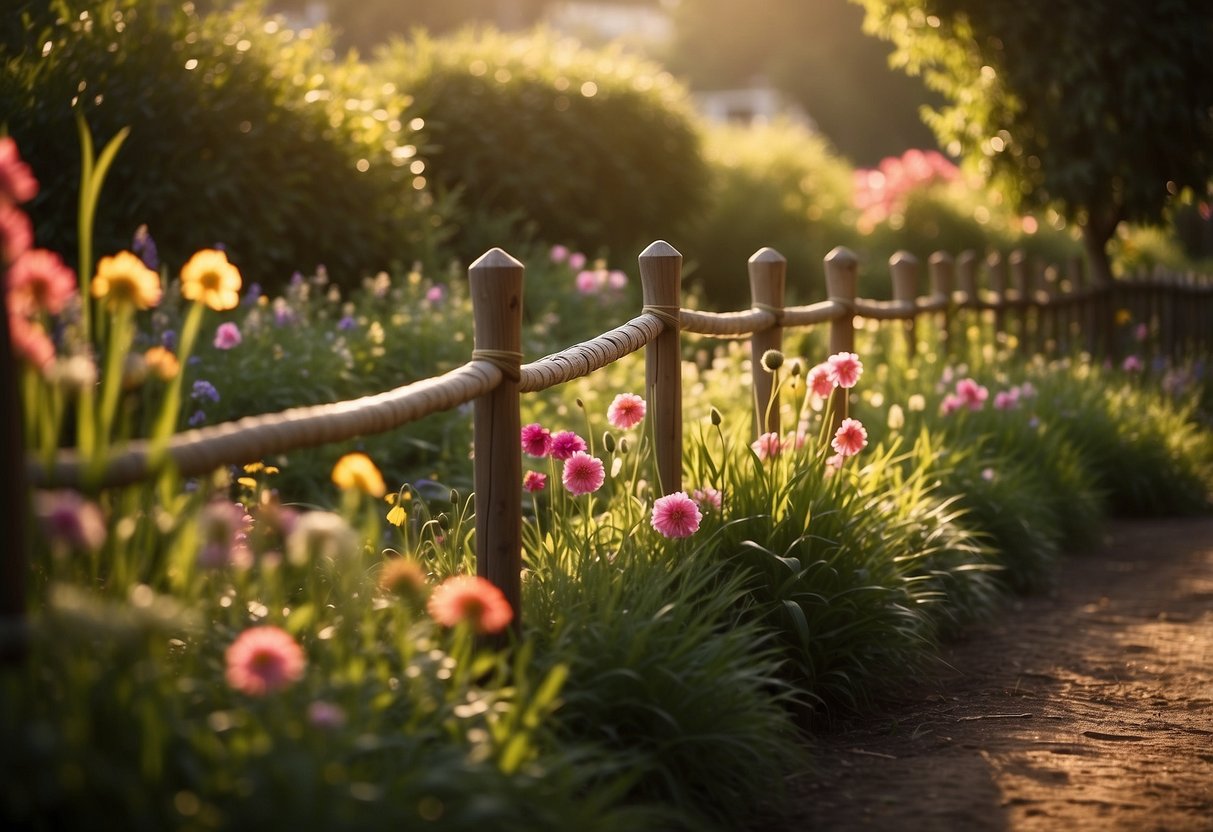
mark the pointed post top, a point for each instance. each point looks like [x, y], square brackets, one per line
[940, 257]
[495, 258]
[766, 254]
[843, 256]
[902, 256]
[659, 248]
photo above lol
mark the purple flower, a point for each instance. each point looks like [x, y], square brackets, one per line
[204, 390]
[168, 339]
[145, 247]
[197, 419]
[347, 323]
[252, 294]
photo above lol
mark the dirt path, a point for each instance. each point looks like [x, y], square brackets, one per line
[1086, 708]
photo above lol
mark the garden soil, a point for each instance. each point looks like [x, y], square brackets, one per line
[1085, 707]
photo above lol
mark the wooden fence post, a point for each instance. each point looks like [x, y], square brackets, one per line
[1019, 282]
[842, 282]
[661, 287]
[904, 268]
[495, 282]
[941, 271]
[1080, 317]
[966, 282]
[768, 279]
[997, 270]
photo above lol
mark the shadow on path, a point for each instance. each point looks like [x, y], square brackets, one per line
[1089, 707]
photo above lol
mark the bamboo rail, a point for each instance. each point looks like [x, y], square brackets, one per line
[1048, 313]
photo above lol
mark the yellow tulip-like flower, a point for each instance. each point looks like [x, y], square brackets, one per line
[208, 277]
[356, 471]
[123, 280]
[162, 362]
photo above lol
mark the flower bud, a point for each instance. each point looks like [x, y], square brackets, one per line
[772, 360]
[608, 442]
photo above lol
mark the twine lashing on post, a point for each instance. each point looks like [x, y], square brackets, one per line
[669, 315]
[507, 361]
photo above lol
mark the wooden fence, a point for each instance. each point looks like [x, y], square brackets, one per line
[1044, 309]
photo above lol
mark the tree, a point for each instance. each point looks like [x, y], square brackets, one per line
[1102, 109]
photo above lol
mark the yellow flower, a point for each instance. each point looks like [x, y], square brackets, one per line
[123, 280]
[1123, 317]
[357, 471]
[162, 362]
[208, 277]
[397, 515]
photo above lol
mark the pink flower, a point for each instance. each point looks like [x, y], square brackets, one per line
[676, 515]
[587, 282]
[950, 404]
[325, 715]
[1132, 364]
[583, 474]
[435, 294]
[30, 341]
[536, 440]
[1141, 332]
[626, 411]
[559, 254]
[617, 279]
[66, 517]
[16, 233]
[227, 336]
[819, 381]
[767, 446]
[850, 438]
[534, 481]
[1006, 399]
[707, 498]
[17, 182]
[263, 660]
[577, 261]
[472, 599]
[565, 444]
[845, 368]
[834, 463]
[972, 395]
[39, 280]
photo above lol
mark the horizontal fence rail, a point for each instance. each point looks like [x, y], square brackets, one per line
[1044, 311]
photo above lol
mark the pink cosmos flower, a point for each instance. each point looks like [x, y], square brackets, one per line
[818, 380]
[587, 282]
[40, 280]
[559, 254]
[227, 336]
[845, 368]
[626, 411]
[850, 438]
[707, 498]
[767, 446]
[263, 660]
[17, 182]
[583, 474]
[1132, 364]
[16, 233]
[565, 444]
[676, 515]
[534, 481]
[577, 261]
[536, 440]
[972, 395]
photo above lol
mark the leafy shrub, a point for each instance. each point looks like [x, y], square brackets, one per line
[243, 132]
[776, 185]
[539, 137]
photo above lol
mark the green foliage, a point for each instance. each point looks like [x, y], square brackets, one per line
[540, 138]
[250, 135]
[1100, 109]
[779, 186]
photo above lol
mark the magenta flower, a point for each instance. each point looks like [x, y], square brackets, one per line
[767, 446]
[676, 515]
[950, 404]
[325, 715]
[263, 660]
[834, 463]
[1141, 332]
[565, 444]
[1006, 399]
[16, 233]
[1132, 364]
[850, 438]
[708, 498]
[536, 440]
[626, 411]
[534, 481]
[577, 261]
[227, 336]
[971, 394]
[845, 368]
[559, 254]
[819, 381]
[39, 281]
[587, 282]
[583, 474]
